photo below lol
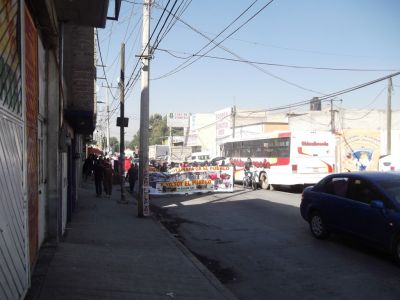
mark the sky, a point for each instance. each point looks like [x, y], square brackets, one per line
[341, 34]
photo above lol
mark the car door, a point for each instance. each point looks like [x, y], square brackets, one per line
[374, 224]
[334, 205]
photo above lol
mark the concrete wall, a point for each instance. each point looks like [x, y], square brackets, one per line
[202, 132]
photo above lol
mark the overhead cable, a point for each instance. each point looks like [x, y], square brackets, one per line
[102, 64]
[147, 45]
[275, 64]
[237, 56]
[183, 65]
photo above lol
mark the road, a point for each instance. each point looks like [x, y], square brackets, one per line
[258, 245]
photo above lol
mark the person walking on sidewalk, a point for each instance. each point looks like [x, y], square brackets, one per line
[98, 176]
[132, 176]
[108, 178]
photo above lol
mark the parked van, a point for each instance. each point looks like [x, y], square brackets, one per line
[389, 162]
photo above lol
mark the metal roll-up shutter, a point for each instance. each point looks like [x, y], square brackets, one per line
[14, 269]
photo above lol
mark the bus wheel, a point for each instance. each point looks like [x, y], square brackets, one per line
[264, 181]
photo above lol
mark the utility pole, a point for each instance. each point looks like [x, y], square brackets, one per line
[389, 119]
[233, 121]
[143, 201]
[170, 146]
[108, 123]
[122, 127]
[332, 118]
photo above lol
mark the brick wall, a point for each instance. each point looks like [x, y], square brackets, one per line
[79, 69]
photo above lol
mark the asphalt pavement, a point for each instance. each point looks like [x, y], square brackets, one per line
[109, 253]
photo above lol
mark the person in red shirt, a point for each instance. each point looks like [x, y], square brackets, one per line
[127, 164]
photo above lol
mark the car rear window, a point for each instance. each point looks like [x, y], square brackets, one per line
[392, 188]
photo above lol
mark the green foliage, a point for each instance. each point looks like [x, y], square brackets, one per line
[135, 141]
[157, 134]
[159, 130]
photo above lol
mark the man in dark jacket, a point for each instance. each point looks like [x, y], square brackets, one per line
[108, 178]
[98, 176]
[132, 176]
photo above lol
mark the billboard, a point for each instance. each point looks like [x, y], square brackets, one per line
[178, 119]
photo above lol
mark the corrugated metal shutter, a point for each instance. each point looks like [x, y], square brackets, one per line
[13, 244]
[13, 260]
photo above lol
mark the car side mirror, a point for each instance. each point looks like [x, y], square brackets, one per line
[377, 204]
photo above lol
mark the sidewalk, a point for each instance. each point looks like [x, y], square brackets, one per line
[109, 253]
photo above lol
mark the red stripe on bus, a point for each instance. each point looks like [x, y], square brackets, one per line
[300, 151]
[284, 134]
[330, 167]
[282, 161]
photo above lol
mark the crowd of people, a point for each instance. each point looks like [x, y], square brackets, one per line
[106, 172]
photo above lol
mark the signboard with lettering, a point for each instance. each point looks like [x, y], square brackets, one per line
[178, 119]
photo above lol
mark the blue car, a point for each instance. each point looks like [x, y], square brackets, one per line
[364, 204]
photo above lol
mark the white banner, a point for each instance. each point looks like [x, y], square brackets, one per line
[178, 120]
[189, 180]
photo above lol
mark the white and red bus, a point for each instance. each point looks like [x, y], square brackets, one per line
[284, 158]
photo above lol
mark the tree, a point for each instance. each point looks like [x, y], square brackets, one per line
[159, 131]
[135, 141]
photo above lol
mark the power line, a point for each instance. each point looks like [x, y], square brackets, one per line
[165, 22]
[366, 114]
[182, 66]
[147, 45]
[328, 97]
[130, 84]
[169, 26]
[275, 64]
[173, 21]
[332, 95]
[102, 63]
[129, 22]
[109, 40]
[239, 57]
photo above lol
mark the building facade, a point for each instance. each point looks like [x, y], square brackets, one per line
[47, 109]
[361, 135]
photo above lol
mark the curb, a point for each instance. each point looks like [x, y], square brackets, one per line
[207, 273]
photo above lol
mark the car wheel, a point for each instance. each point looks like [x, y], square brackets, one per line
[318, 227]
[264, 181]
